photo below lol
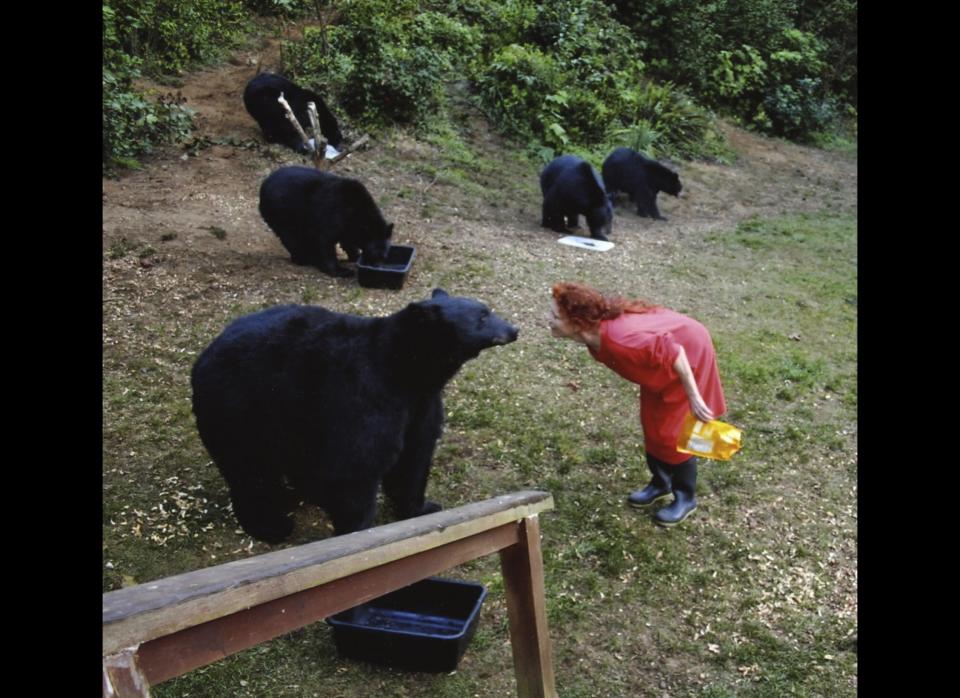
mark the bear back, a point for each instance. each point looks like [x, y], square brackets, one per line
[307, 198]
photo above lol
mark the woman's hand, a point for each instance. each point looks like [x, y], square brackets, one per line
[699, 408]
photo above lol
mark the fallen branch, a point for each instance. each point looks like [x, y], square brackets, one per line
[293, 119]
[320, 147]
[357, 145]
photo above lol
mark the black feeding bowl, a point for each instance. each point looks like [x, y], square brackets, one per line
[391, 272]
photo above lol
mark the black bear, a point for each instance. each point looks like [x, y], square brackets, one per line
[312, 211]
[332, 405]
[570, 187]
[260, 99]
[641, 178]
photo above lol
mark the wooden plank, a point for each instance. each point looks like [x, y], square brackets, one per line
[123, 677]
[137, 614]
[189, 649]
[522, 566]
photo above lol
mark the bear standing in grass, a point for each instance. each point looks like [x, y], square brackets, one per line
[312, 211]
[331, 405]
[572, 187]
[260, 99]
[641, 178]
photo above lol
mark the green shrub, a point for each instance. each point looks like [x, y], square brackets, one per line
[132, 124]
[796, 100]
[522, 90]
[683, 129]
[780, 94]
[782, 66]
[578, 82]
[497, 23]
[282, 8]
[171, 35]
[384, 61]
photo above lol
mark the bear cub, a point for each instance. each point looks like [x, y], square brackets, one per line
[641, 178]
[312, 211]
[302, 403]
[260, 99]
[572, 187]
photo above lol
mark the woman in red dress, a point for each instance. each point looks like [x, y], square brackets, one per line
[671, 357]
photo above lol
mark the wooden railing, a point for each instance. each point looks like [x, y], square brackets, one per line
[159, 630]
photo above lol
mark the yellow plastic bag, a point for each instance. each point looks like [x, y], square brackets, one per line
[714, 439]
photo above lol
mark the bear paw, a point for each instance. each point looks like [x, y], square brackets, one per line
[270, 531]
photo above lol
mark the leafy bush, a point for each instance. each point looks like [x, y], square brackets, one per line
[683, 129]
[579, 82]
[800, 110]
[781, 93]
[384, 60]
[522, 90]
[834, 22]
[170, 35]
[133, 124]
[761, 61]
[498, 23]
[556, 75]
[282, 8]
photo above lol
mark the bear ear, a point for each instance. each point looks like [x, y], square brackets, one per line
[439, 293]
[423, 314]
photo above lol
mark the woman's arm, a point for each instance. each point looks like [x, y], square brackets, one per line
[699, 408]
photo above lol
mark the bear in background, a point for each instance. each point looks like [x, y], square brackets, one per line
[260, 99]
[641, 178]
[312, 211]
[572, 187]
[332, 405]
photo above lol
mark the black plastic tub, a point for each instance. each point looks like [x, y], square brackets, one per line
[392, 272]
[423, 627]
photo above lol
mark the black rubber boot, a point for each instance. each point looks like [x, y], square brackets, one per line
[659, 486]
[684, 478]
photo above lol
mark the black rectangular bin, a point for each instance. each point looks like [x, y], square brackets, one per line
[392, 272]
[423, 627]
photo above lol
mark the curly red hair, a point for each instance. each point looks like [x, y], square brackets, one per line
[585, 307]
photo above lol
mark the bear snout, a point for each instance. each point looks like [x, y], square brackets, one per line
[376, 252]
[509, 334]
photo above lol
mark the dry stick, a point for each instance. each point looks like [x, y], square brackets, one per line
[357, 144]
[319, 152]
[292, 119]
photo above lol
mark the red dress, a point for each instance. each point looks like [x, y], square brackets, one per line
[642, 347]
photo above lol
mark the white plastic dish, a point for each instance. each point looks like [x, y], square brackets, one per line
[586, 243]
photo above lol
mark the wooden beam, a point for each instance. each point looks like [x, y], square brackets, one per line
[189, 649]
[145, 612]
[122, 676]
[522, 566]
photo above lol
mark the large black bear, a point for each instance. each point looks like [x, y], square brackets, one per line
[570, 187]
[332, 405]
[641, 178]
[260, 99]
[312, 211]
